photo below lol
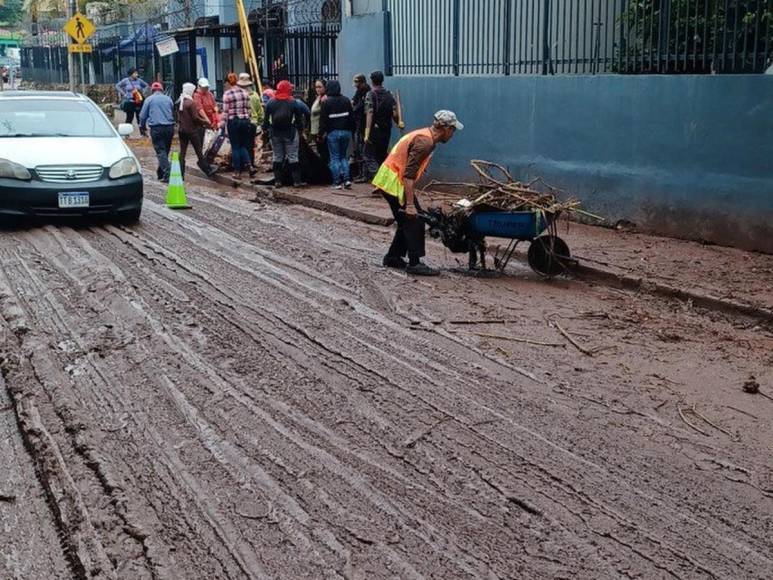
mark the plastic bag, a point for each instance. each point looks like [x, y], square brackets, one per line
[209, 137]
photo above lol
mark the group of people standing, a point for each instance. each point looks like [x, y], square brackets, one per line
[196, 112]
[362, 125]
[339, 128]
[337, 125]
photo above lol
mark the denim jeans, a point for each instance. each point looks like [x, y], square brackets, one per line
[338, 145]
[239, 136]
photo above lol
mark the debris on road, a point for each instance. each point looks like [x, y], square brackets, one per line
[752, 387]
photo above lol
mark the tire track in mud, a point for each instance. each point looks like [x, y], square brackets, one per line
[286, 432]
[175, 467]
[656, 418]
[29, 373]
[329, 390]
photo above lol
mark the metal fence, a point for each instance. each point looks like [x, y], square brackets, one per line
[107, 64]
[310, 54]
[502, 37]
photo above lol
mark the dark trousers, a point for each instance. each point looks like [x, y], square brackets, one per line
[376, 151]
[357, 163]
[409, 237]
[131, 111]
[196, 140]
[161, 137]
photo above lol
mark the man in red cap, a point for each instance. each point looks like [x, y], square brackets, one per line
[285, 118]
[158, 114]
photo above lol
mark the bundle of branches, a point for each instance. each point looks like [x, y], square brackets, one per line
[497, 190]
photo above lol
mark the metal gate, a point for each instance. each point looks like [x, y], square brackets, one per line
[301, 55]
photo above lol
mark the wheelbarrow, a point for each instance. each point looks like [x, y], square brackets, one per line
[548, 255]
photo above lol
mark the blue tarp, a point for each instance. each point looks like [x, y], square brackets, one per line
[143, 37]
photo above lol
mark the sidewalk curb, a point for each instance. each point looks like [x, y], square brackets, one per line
[607, 277]
[283, 195]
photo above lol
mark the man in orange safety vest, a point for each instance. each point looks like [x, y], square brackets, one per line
[396, 179]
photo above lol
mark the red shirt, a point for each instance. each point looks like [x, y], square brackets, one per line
[206, 100]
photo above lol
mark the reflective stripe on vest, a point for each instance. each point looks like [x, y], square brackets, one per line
[389, 178]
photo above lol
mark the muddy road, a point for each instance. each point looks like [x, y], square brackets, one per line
[241, 391]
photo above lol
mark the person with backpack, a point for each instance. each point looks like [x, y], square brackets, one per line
[285, 118]
[337, 124]
[380, 112]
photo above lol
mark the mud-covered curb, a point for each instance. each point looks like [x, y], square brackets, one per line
[286, 196]
[586, 272]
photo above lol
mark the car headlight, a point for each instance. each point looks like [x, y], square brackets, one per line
[13, 170]
[125, 167]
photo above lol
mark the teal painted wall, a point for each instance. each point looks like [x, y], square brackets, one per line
[689, 155]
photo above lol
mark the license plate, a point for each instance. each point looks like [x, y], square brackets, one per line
[73, 199]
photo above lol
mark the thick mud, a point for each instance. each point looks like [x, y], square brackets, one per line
[241, 391]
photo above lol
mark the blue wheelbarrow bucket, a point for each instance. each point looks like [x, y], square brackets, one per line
[516, 225]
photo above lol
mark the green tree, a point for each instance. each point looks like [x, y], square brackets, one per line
[11, 13]
[37, 8]
[734, 35]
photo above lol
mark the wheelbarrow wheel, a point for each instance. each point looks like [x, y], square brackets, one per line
[548, 255]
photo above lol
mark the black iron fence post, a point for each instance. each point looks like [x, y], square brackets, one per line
[508, 35]
[545, 36]
[388, 41]
[456, 37]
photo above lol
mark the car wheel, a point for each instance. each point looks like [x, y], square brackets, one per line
[130, 218]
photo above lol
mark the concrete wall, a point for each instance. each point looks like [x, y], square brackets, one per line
[689, 156]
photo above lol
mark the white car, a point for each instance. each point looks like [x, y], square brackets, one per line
[60, 155]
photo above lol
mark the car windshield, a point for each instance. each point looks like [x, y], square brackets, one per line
[51, 118]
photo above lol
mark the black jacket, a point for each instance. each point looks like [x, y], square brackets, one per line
[336, 110]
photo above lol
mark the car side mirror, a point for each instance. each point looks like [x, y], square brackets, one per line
[124, 129]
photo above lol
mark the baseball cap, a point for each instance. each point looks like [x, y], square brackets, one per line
[203, 82]
[447, 119]
[157, 86]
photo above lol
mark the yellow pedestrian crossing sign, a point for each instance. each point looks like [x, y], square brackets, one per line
[80, 28]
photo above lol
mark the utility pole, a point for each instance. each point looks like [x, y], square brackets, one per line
[70, 57]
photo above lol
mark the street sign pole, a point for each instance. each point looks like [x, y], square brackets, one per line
[83, 76]
[70, 57]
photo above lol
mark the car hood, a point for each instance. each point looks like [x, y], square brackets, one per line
[34, 151]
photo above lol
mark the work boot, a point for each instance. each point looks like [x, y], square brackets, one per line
[278, 175]
[394, 262]
[208, 170]
[295, 172]
[422, 269]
